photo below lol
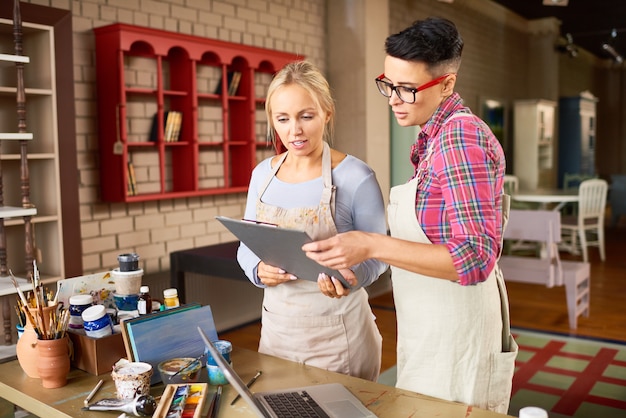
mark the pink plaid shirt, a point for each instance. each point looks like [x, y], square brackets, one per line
[459, 197]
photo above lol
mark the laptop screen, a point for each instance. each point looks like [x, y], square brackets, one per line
[234, 378]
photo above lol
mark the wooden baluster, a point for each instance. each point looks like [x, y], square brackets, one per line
[21, 128]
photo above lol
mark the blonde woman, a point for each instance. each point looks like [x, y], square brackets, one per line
[323, 191]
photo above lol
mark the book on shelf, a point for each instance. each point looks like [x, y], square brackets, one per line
[172, 121]
[172, 126]
[233, 86]
[218, 89]
[154, 129]
[232, 83]
[132, 181]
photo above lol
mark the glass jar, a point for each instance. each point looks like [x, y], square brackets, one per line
[170, 298]
[144, 304]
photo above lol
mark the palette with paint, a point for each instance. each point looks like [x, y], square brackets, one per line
[182, 401]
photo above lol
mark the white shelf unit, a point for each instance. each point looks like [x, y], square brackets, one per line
[42, 154]
[51, 150]
[533, 148]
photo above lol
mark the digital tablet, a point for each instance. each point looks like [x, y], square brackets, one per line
[280, 247]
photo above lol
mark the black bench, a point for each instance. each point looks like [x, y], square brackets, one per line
[216, 260]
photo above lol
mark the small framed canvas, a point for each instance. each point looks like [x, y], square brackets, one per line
[168, 334]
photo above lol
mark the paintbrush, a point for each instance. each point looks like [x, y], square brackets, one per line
[44, 331]
[20, 315]
[32, 320]
[17, 288]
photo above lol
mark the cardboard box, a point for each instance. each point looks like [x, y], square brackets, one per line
[97, 355]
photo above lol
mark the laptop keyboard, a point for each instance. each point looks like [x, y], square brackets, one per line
[295, 405]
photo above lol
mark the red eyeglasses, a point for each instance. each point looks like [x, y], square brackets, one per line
[404, 93]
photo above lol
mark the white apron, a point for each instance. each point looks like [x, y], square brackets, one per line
[299, 323]
[454, 341]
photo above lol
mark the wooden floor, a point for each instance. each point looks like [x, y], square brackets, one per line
[532, 306]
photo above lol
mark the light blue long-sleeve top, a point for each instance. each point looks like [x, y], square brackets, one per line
[358, 206]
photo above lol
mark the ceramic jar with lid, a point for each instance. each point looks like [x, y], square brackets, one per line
[78, 304]
[97, 322]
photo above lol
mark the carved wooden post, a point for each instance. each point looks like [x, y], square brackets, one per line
[21, 128]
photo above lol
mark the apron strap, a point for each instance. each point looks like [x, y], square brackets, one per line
[504, 298]
[329, 191]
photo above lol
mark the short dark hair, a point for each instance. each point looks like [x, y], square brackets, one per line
[434, 41]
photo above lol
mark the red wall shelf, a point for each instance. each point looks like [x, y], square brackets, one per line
[143, 73]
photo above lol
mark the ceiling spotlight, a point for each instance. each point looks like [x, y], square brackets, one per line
[616, 56]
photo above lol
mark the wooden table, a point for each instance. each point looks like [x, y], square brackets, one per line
[384, 401]
[547, 196]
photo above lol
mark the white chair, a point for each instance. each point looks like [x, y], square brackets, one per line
[574, 180]
[586, 229]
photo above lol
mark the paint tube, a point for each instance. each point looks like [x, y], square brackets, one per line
[140, 406]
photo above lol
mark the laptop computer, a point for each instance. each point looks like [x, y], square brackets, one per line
[280, 247]
[329, 400]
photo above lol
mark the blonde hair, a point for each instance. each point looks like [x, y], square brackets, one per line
[307, 76]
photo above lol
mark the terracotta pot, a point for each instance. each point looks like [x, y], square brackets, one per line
[53, 363]
[26, 348]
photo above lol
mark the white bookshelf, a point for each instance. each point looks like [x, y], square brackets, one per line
[51, 213]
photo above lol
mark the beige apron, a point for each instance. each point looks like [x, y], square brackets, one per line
[299, 322]
[454, 341]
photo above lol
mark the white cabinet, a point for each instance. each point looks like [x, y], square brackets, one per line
[533, 148]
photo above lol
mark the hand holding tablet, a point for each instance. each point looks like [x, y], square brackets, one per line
[280, 247]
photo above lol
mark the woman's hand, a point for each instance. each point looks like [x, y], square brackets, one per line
[273, 276]
[340, 251]
[332, 287]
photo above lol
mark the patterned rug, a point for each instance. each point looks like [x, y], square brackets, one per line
[568, 377]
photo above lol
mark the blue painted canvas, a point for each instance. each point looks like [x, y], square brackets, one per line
[169, 334]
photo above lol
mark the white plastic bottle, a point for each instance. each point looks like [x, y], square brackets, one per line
[533, 412]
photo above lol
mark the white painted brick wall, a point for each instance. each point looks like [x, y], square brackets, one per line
[153, 229]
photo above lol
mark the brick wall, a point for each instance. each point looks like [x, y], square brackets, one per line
[154, 229]
[495, 65]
